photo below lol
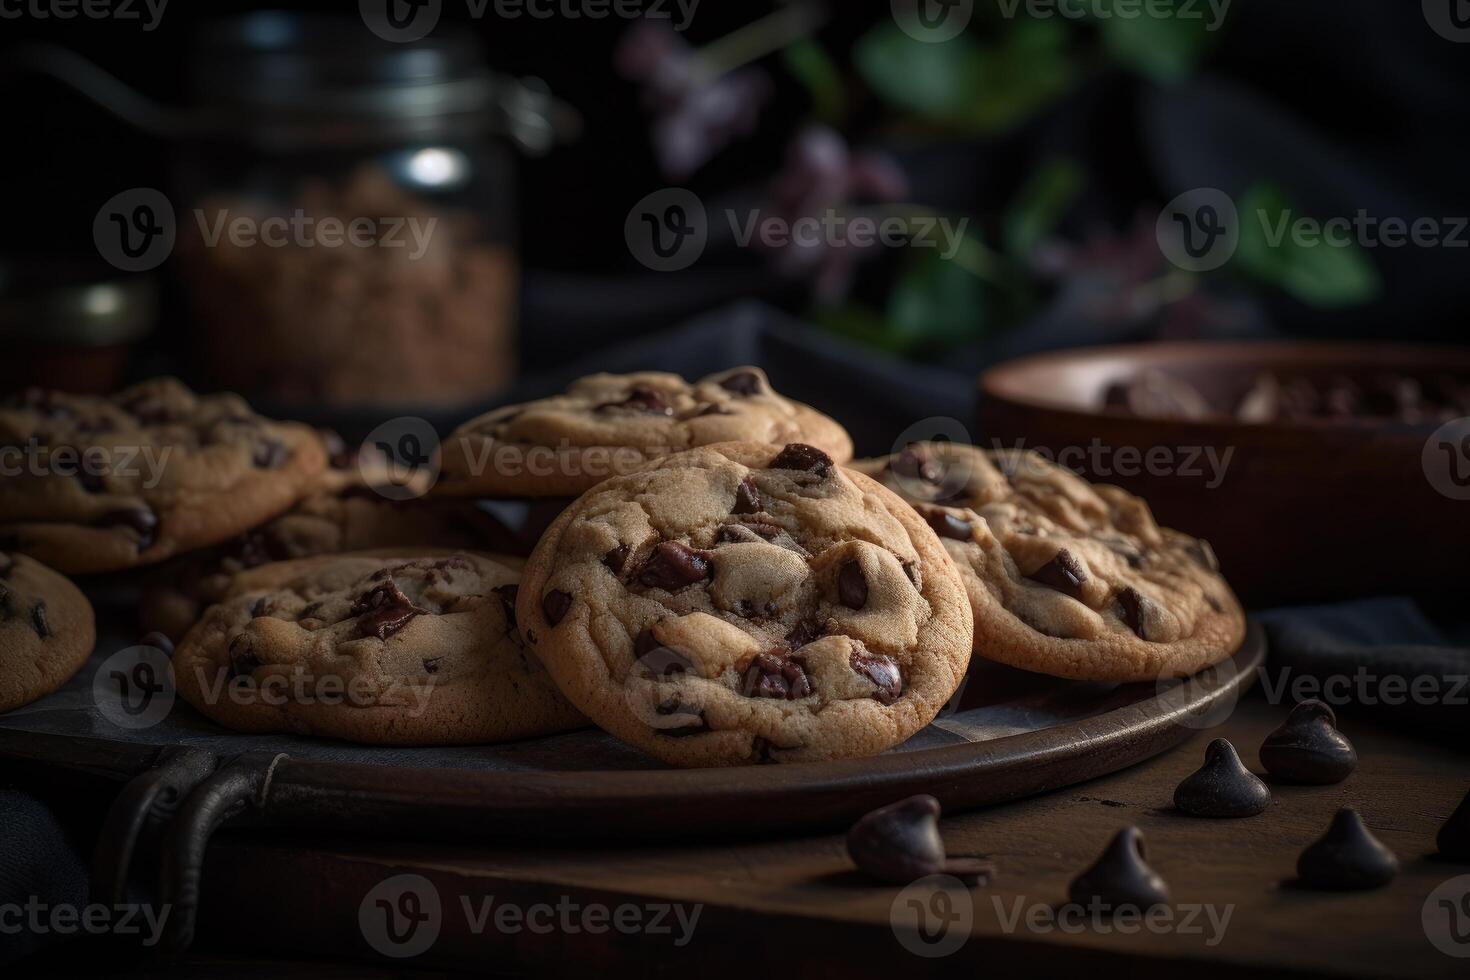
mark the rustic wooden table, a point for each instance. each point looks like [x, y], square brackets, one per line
[797, 906]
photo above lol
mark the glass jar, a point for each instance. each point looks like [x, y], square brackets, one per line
[348, 228]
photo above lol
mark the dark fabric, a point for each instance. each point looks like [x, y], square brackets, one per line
[39, 863]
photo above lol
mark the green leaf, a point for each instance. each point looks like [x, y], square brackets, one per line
[1039, 205]
[936, 303]
[1318, 272]
[809, 62]
[967, 85]
[860, 323]
[1165, 49]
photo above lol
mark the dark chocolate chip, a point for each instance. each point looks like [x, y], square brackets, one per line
[799, 456]
[269, 454]
[743, 383]
[1347, 858]
[554, 606]
[673, 566]
[770, 676]
[946, 525]
[882, 671]
[747, 498]
[39, 622]
[900, 843]
[642, 399]
[1063, 573]
[431, 665]
[1308, 748]
[1134, 609]
[262, 607]
[243, 660]
[384, 610]
[140, 519]
[158, 642]
[852, 586]
[1454, 837]
[1120, 878]
[1223, 787]
[616, 558]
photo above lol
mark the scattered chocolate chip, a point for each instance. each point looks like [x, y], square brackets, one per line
[803, 633]
[554, 606]
[743, 383]
[747, 498]
[140, 519]
[946, 525]
[882, 671]
[243, 661]
[158, 642]
[642, 399]
[799, 456]
[431, 665]
[1120, 878]
[1308, 748]
[384, 610]
[616, 558]
[1063, 573]
[269, 454]
[770, 676]
[1223, 787]
[673, 707]
[1347, 858]
[1454, 836]
[900, 843]
[852, 586]
[672, 566]
[39, 622]
[508, 595]
[1134, 609]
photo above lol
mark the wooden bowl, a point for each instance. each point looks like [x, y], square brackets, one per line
[1296, 510]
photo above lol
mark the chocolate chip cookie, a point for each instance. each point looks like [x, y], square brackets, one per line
[610, 424]
[112, 483]
[323, 524]
[1067, 578]
[46, 630]
[747, 603]
[373, 649]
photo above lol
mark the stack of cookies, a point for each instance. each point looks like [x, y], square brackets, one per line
[718, 584]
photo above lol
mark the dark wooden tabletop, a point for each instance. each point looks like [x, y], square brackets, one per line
[799, 907]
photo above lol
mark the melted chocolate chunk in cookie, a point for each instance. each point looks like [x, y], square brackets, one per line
[384, 610]
[1063, 573]
[743, 383]
[852, 586]
[554, 605]
[774, 676]
[946, 525]
[799, 456]
[881, 670]
[642, 398]
[673, 566]
[747, 498]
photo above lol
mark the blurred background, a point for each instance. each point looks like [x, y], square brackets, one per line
[1034, 149]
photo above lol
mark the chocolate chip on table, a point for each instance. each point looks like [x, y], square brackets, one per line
[770, 676]
[641, 398]
[946, 525]
[673, 566]
[1308, 748]
[243, 660]
[1223, 787]
[852, 586]
[140, 519]
[800, 456]
[384, 610]
[1120, 878]
[743, 383]
[1063, 573]
[747, 498]
[269, 454]
[882, 670]
[554, 606]
[1347, 858]
[1454, 837]
[900, 843]
[1134, 608]
[39, 622]
[616, 558]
